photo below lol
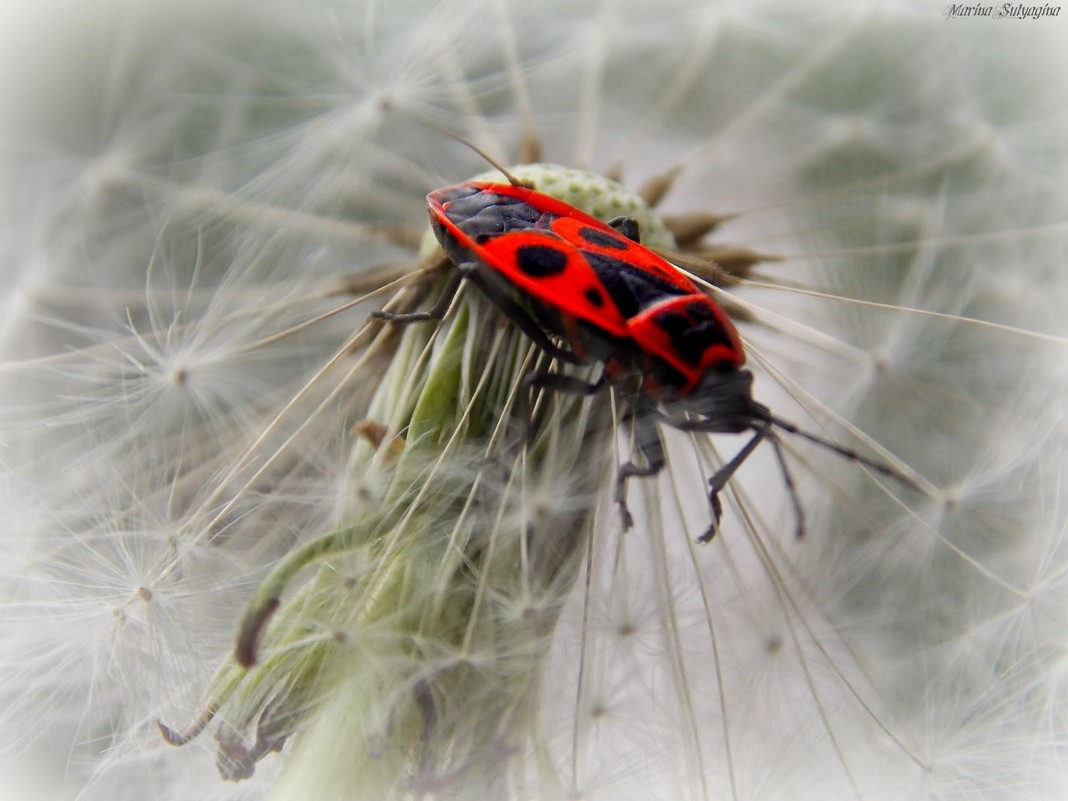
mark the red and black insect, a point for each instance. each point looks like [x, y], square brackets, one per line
[586, 291]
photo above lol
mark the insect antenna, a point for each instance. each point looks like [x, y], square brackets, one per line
[436, 126]
[485, 156]
[848, 453]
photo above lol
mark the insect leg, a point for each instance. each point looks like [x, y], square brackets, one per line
[652, 448]
[791, 487]
[723, 475]
[627, 226]
[435, 312]
[569, 385]
[556, 383]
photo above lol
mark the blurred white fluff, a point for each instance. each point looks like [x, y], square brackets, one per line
[182, 186]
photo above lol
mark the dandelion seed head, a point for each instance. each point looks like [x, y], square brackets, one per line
[162, 454]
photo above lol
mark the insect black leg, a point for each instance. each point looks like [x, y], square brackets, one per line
[627, 226]
[646, 431]
[569, 385]
[435, 312]
[764, 423]
[791, 487]
[723, 475]
[652, 448]
[556, 383]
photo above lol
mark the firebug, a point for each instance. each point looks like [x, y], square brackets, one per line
[586, 291]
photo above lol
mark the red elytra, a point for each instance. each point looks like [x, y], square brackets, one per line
[578, 269]
[558, 272]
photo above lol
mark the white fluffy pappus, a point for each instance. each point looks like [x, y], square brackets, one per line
[196, 200]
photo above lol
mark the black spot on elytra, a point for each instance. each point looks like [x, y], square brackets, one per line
[602, 238]
[692, 329]
[631, 288]
[594, 296]
[540, 261]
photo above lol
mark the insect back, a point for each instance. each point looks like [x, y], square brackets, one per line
[607, 296]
